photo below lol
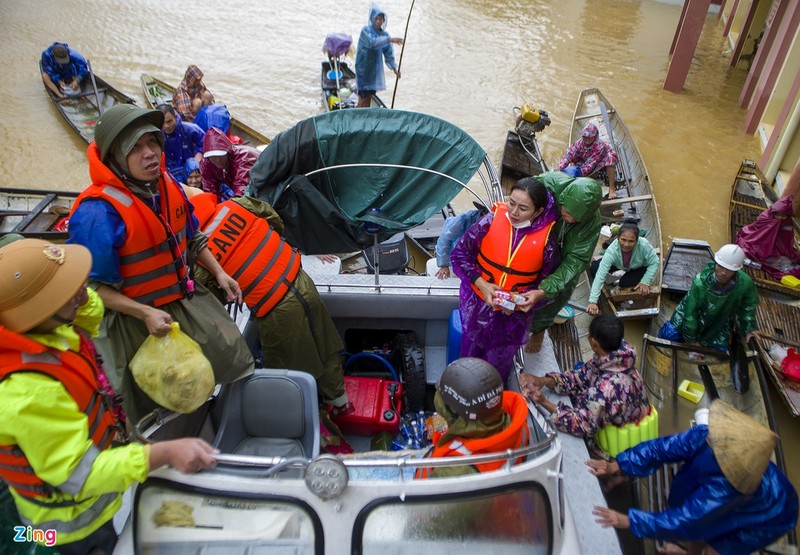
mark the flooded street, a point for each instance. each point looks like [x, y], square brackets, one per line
[466, 61]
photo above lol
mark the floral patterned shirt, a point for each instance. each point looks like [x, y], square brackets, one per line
[604, 390]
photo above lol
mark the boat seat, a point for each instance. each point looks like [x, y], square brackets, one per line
[393, 255]
[271, 413]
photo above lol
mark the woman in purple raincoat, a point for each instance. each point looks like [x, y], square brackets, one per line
[510, 249]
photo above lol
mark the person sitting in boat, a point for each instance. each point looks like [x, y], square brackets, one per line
[294, 327]
[727, 497]
[192, 170]
[61, 441]
[138, 224]
[63, 69]
[606, 390]
[578, 201]
[770, 240]
[629, 253]
[452, 230]
[182, 141]
[722, 295]
[225, 168]
[510, 250]
[481, 417]
[191, 94]
[374, 45]
[588, 155]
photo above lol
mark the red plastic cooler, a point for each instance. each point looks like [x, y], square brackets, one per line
[378, 404]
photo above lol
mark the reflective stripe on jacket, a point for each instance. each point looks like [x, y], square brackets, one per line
[252, 253]
[153, 256]
[514, 436]
[78, 374]
[512, 271]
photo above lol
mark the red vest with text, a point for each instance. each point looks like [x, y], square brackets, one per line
[514, 436]
[251, 252]
[78, 374]
[512, 271]
[153, 256]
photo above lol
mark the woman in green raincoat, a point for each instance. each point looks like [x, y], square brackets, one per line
[578, 229]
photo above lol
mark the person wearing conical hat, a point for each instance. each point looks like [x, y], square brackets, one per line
[727, 497]
[61, 453]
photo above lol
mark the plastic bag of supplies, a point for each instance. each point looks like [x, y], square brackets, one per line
[173, 371]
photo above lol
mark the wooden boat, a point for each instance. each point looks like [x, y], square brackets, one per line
[35, 213]
[83, 111]
[369, 501]
[521, 154]
[779, 326]
[337, 80]
[750, 196]
[157, 92]
[635, 200]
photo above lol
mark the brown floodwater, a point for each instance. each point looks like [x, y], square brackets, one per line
[467, 61]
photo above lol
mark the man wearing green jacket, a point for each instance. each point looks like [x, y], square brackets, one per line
[577, 230]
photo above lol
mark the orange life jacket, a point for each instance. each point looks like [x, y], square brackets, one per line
[78, 374]
[153, 256]
[251, 252]
[512, 271]
[514, 436]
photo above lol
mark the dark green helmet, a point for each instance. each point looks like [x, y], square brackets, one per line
[472, 388]
[117, 118]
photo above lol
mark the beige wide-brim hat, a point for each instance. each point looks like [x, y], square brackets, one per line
[741, 445]
[37, 278]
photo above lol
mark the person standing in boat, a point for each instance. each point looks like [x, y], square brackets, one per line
[63, 69]
[510, 250]
[374, 46]
[191, 94]
[225, 168]
[606, 390]
[481, 417]
[588, 155]
[138, 224]
[578, 201]
[629, 253]
[182, 141]
[727, 497]
[61, 450]
[722, 295]
[294, 327]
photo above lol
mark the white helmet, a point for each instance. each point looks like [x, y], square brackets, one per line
[730, 257]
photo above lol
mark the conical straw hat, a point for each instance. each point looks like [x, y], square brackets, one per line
[741, 446]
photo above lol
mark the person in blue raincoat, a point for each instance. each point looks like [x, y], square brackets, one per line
[182, 141]
[374, 45]
[727, 497]
[63, 69]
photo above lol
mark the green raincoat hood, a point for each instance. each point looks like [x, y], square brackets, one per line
[581, 198]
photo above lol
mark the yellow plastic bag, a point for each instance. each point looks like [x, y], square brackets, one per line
[173, 371]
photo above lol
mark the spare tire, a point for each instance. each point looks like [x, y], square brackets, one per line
[409, 357]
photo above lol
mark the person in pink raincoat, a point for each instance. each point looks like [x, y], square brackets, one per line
[770, 240]
[225, 168]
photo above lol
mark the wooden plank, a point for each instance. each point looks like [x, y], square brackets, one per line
[624, 200]
[37, 210]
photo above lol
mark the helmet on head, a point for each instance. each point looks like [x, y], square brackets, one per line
[37, 279]
[472, 388]
[116, 119]
[730, 257]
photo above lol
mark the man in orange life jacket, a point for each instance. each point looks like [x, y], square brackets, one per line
[481, 417]
[294, 326]
[56, 422]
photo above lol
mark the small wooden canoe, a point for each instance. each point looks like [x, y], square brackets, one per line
[157, 92]
[521, 154]
[331, 87]
[635, 197]
[750, 196]
[36, 213]
[83, 111]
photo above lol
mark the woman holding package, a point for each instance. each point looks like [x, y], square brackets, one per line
[629, 253]
[139, 227]
[510, 250]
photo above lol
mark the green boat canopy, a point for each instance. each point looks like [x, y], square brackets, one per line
[334, 176]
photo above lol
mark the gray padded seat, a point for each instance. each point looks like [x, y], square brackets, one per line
[272, 413]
